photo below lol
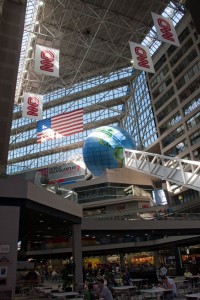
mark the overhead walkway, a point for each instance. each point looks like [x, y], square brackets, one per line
[181, 172]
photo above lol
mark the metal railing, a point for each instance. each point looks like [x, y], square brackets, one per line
[181, 172]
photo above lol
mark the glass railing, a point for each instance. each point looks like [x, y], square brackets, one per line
[132, 215]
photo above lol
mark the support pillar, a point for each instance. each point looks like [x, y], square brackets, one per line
[77, 254]
[9, 224]
[11, 32]
[179, 263]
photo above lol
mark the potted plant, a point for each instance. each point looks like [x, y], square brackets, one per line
[67, 277]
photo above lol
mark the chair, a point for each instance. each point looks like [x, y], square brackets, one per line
[185, 287]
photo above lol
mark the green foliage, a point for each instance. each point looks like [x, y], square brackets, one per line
[68, 275]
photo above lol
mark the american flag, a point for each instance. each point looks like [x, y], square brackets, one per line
[60, 126]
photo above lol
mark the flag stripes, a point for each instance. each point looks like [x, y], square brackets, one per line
[59, 126]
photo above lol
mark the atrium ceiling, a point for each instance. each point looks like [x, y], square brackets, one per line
[92, 36]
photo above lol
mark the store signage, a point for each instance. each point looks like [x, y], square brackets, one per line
[5, 249]
[64, 171]
[32, 106]
[141, 57]
[165, 30]
[47, 61]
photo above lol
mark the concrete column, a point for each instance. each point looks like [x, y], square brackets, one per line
[77, 254]
[156, 259]
[179, 263]
[9, 224]
[11, 32]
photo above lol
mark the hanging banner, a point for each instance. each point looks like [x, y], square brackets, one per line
[141, 57]
[46, 61]
[63, 172]
[165, 30]
[32, 106]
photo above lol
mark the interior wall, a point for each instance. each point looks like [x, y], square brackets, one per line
[9, 224]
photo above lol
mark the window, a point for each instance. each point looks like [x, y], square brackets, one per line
[173, 136]
[196, 153]
[188, 75]
[164, 98]
[185, 63]
[159, 77]
[189, 90]
[160, 63]
[167, 110]
[180, 147]
[192, 105]
[184, 48]
[171, 122]
[184, 34]
[195, 137]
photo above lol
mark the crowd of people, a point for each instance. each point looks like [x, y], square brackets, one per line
[99, 283]
[103, 288]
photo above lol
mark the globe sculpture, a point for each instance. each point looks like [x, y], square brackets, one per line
[103, 148]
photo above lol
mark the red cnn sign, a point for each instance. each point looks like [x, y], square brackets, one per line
[141, 57]
[47, 60]
[33, 105]
[165, 29]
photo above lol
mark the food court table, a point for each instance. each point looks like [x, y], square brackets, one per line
[45, 290]
[193, 296]
[123, 290]
[155, 291]
[194, 279]
[180, 284]
[63, 295]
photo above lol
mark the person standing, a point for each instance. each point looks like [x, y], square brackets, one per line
[104, 291]
[162, 270]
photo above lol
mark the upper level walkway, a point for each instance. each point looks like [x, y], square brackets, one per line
[178, 171]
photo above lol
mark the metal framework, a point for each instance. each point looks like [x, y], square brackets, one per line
[95, 62]
[181, 172]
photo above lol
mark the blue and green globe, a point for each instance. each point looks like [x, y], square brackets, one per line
[103, 149]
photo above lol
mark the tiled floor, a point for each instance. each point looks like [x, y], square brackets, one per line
[34, 296]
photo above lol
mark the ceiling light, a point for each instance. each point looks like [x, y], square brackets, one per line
[41, 3]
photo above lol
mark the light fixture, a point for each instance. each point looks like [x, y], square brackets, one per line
[41, 3]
